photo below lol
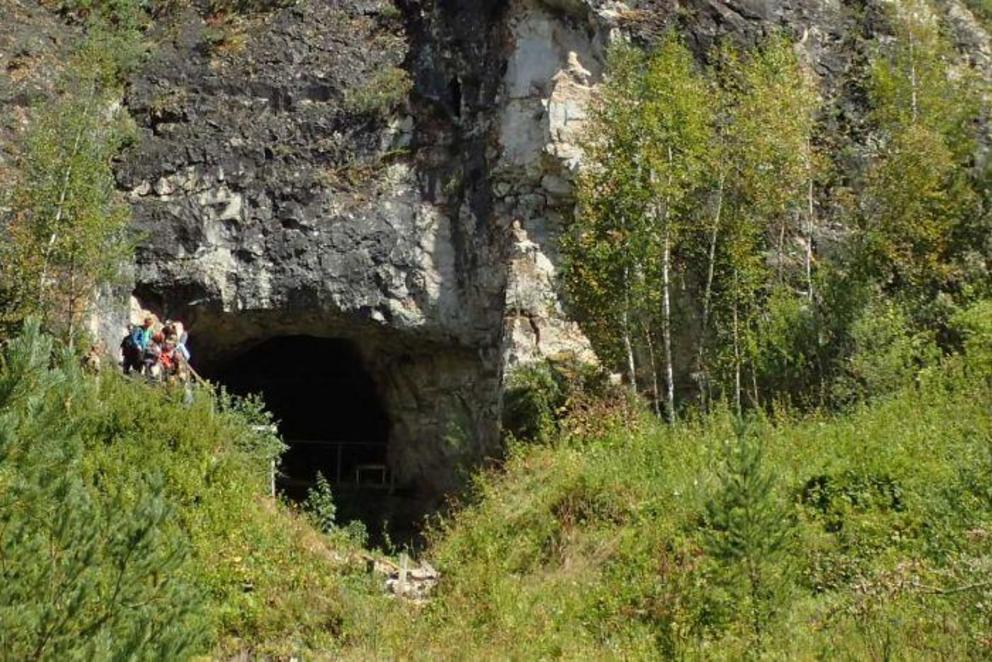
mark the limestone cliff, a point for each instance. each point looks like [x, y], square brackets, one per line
[274, 204]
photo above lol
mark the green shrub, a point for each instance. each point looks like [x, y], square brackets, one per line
[787, 340]
[319, 505]
[747, 529]
[382, 93]
[561, 394]
[532, 402]
[886, 353]
[138, 523]
[90, 568]
[982, 10]
[249, 6]
[974, 325]
[124, 14]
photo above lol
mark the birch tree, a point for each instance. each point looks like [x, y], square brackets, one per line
[604, 249]
[767, 150]
[677, 134]
[65, 232]
[646, 144]
[918, 193]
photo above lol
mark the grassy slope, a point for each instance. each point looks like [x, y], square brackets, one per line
[262, 579]
[274, 585]
[592, 548]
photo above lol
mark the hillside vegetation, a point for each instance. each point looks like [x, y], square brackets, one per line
[734, 243]
[857, 536]
[134, 520]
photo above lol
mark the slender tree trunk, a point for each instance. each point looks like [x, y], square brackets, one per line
[666, 268]
[781, 250]
[627, 344]
[737, 348]
[810, 222]
[63, 194]
[708, 294]
[754, 384]
[821, 381]
[914, 104]
[656, 392]
[71, 307]
[59, 212]
[754, 581]
[667, 325]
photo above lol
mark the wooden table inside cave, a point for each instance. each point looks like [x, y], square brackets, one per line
[380, 504]
[361, 469]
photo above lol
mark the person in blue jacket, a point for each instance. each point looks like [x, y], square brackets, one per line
[134, 345]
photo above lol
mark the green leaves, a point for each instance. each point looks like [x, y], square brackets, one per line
[647, 143]
[689, 176]
[919, 191]
[675, 130]
[771, 103]
[87, 572]
[135, 522]
[718, 180]
[66, 234]
[744, 520]
[319, 505]
[918, 79]
[747, 528]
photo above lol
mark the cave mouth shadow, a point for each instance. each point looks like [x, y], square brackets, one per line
[334, 421]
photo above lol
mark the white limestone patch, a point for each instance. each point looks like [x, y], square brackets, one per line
[550, 71]
[221, 204]
[549, 84]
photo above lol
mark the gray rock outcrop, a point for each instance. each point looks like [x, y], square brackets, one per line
[422, 230]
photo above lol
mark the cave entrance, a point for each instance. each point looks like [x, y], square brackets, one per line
[331, 416]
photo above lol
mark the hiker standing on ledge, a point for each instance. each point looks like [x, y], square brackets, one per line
[175, 333]
[153, 354]
[134, 345]
[159, 355]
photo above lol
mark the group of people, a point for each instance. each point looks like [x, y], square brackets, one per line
[158, 353]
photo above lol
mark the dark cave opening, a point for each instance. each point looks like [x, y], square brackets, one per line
[332, 417]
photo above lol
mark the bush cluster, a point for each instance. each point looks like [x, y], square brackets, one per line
[562, 396]
[726, 177]
[91, 564]
[382, 93]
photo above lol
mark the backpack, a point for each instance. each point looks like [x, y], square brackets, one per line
[135, 339]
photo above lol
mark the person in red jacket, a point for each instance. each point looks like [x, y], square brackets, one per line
[168, 358]
[153, 353]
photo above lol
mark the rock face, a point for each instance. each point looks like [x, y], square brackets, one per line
[398, 174]
[276, 199]
[32, 45]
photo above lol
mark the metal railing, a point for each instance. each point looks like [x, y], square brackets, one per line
[362, 470]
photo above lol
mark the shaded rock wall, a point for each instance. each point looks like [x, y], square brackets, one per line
[33, 44]
[273, 206]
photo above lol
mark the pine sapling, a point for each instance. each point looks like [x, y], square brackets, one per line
[748, 529]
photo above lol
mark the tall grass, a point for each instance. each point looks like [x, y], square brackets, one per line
[135, 520]
[600, 548]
